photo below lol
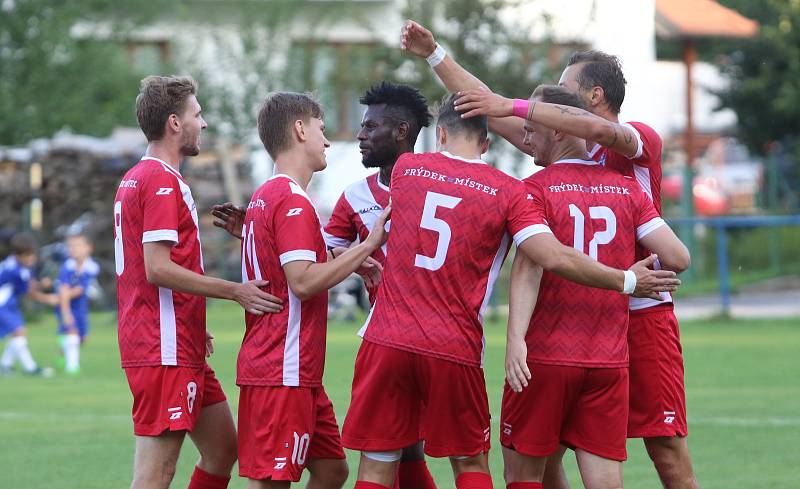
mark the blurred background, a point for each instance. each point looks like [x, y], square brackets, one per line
[719, 80]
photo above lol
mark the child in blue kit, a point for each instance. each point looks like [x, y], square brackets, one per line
[72, 312]
[16, 282]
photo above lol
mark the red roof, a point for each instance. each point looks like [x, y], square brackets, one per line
[683, 19]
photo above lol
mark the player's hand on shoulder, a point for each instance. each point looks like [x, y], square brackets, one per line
[481, 101]
[417, 40]
[254, 300]
[517, 372]
[379, 234]
[649, 282]
[229, 217]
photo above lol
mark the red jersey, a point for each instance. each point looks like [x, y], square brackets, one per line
[288, 347]
[645, 167]
[602, 214]
[452, 225]
[157, 326]
[355, 213]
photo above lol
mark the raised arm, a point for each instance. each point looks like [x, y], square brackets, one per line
[570, 120]
[420, 42]
[672, 253]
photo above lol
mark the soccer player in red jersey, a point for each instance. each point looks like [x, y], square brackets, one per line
[658, 403]
[420, 362]
[394, 117]
[576, 345]
[286, 421]
[161, 293]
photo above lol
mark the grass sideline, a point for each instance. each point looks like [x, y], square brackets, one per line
[76, 433]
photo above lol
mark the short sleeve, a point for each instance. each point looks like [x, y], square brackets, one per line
[647, 218]
[159, 196]
[64, 275]
[340, 230]
[297, 229]
[22, 281]
[648, 152]
[525, 218]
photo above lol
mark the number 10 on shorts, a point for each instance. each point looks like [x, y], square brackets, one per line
[300, 449]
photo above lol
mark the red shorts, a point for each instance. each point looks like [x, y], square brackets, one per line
[281, 428]
[170, 398]
[399, 398]
[578, 407]
[658, 395]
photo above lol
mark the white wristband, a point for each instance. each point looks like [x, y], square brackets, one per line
[437, 56]
[630, 283]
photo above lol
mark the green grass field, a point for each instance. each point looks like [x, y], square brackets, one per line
[76, 433]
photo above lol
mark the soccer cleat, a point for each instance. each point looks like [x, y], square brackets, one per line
[6, 371]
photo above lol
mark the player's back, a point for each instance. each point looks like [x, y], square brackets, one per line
[288, 347]
[157, 326]
[451, 227]
[600, 213]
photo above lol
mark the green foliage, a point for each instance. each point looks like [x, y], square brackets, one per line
[764, 91]
[51, 79]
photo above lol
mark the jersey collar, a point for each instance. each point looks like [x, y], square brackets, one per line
[577, 162]
[468, 160]
[163, 163]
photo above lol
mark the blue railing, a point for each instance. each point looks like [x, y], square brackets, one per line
[721, 225]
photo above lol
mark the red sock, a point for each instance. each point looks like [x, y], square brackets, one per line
[474, 480]
[203, 480]
[369, 485]
[414, 474]
[524, 485]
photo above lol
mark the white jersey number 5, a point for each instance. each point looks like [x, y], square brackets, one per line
[430, 221]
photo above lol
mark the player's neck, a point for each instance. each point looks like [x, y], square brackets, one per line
[286, 166]
[169, 155]
[385, 174]
[606, 114]
[570, 152]
[462, 149]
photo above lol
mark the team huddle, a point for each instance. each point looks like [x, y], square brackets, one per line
[593, 355]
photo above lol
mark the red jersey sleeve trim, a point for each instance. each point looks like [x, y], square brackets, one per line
[529, 231]
[335, 241]
[640, 147]
[298, 255]
[160, 235]
[649, 227]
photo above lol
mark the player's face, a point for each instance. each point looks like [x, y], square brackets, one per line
[317, 143]
[540, 139]
[27, 259]
[78, 248]
[192, 123]
[569, 80]
[376, 138]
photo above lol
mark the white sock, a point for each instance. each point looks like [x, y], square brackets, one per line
[72, 352]
[8, 355]
[23, 354]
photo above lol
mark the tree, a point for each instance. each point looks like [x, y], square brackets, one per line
[50, 79]
[764, 73]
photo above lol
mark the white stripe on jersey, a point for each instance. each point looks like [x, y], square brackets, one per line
[649, 227]
[494, 272]
[291, 349]
[166, 320]
[640, 144]
[359, 196]
[642, 174]
[529, 231]
[297, 255]
[335, 241]
[160, 235]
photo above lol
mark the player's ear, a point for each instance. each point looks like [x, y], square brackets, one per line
[299, 130]
[485, 146]
[441, 136]
[597, 96]
[173, 123]
[401, 131]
